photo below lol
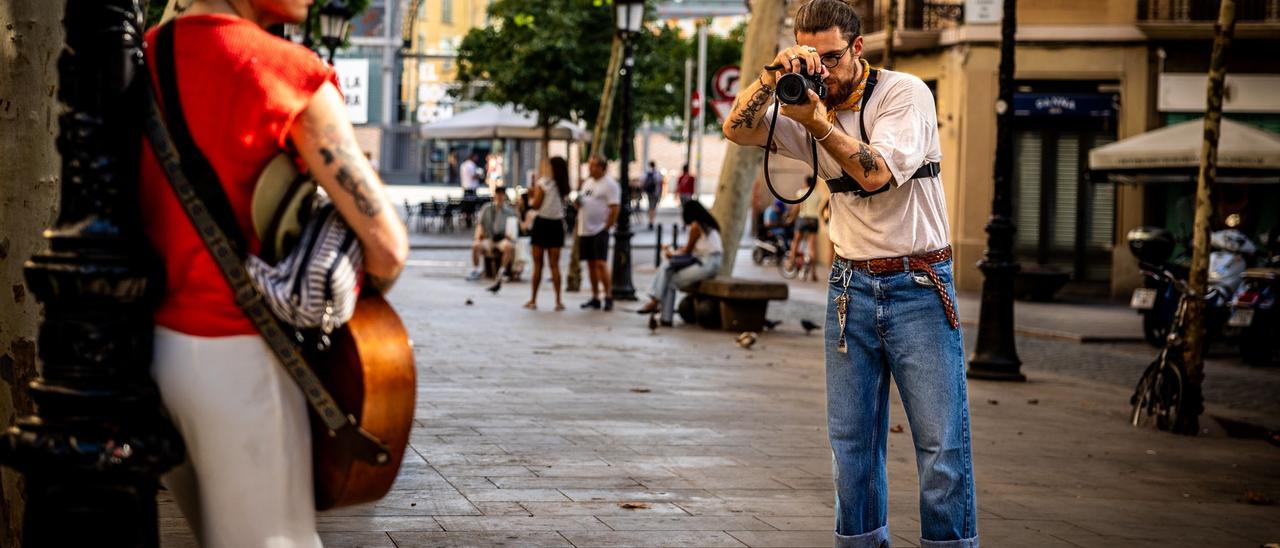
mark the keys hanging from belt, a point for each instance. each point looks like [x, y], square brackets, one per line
[842, 313]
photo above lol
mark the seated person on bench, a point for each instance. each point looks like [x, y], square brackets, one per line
[492, 238]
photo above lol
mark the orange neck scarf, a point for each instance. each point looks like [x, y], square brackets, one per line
[854, 102]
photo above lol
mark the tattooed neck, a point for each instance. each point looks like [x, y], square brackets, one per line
[751, 112]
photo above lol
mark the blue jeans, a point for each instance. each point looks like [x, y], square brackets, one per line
[895, 325]
[666, 282]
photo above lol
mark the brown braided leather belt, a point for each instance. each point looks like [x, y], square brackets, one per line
[924, 263]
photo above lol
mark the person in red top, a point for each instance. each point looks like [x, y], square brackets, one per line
[685, 184]
[247, 96]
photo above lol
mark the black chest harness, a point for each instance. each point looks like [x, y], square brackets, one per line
[845, 183]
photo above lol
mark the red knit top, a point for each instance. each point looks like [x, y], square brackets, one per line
[241, 90]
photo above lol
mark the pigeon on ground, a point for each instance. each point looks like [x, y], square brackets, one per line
[496, 287]
[770, 324]
[653, 323]
[746, 339]
[808, 326]
[470, 302]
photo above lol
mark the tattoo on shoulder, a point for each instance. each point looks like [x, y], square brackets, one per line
[866, 157]
[342, 154]
[751, 111]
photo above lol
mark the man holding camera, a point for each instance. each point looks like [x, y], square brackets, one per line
[891, 305]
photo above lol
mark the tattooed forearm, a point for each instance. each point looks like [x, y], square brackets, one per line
[341, 156]
[866, 157]
[751, 111]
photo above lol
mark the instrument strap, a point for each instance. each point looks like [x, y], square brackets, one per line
[339, 424]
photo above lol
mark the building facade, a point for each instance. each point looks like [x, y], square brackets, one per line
[1089, 72]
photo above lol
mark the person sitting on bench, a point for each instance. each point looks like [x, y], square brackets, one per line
[492, 238]
[698, 260]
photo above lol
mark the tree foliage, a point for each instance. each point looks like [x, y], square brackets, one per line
[550, 56]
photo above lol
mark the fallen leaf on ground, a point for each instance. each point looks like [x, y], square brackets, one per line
[641, 390]
[634, 505]
[897, 429]
[1257, 498]
[993, 402]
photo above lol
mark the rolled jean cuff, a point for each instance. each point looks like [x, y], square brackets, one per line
[870, 539]
[971, 542]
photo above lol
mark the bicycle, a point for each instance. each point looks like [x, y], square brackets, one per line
[802, 266]
[1161, 398]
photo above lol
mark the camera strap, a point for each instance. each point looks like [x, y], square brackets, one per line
[850, 185]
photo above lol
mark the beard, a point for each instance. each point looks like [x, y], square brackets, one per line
[837, 92]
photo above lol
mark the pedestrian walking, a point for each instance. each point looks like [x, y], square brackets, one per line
[652, 187]
[891, 304]
[698, 260]
[685, 184]
[808, 219]
[547, 199]
[247, 479]
[599, 203]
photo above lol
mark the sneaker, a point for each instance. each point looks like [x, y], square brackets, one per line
[608, 305]
[593, 303]
[473, 276]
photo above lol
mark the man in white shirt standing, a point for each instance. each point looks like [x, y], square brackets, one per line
[469, 175]
[891, 306]
[598, 205]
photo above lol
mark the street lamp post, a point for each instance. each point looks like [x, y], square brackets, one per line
[335, 20]
[630, 17]
[996, 355]
[93, 452]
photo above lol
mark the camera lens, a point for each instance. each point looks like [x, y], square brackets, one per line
[793, 88]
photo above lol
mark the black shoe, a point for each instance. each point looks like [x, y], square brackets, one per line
[664, 323]
[593, 303]
[608, 305]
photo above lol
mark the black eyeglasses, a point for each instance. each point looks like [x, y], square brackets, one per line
[831, 60]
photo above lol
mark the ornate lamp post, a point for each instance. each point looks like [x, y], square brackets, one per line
[335, 21]
[92, 453]
[630, 17]
[995, 356]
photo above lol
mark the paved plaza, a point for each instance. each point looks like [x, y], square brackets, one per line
[585, 429]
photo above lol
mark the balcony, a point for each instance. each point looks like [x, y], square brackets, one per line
[920, 23]
[1194, 19]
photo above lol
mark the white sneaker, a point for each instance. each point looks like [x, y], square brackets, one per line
[473, 276]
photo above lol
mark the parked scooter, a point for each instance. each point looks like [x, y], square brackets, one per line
[1157, 301]
[773, 248]
[1255, 310]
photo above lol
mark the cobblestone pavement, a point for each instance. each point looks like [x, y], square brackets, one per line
[584, 429]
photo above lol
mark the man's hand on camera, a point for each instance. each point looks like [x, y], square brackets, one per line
[811, 114]
[789, 59]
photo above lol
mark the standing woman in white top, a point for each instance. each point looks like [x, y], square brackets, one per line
[698, 260]
[547, 234]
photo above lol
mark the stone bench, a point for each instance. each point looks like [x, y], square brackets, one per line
[731, 304]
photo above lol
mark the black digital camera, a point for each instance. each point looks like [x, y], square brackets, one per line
[793, 87]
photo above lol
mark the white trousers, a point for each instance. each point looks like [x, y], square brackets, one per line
[247, 479]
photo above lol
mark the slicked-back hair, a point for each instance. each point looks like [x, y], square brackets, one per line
[820, 15]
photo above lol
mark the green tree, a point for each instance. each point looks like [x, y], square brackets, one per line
[544, 56]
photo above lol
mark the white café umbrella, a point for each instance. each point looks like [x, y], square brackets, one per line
[1177, 147]
[491, 121]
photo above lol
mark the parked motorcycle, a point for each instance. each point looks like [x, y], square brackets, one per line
[1157, 301]
[772, 247]
[1255, 312]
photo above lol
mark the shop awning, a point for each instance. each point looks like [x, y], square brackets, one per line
[1243, 150]
[498, 122]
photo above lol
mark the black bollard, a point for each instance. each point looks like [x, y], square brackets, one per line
[657, 249]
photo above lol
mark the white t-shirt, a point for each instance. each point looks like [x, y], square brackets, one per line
[552, 204]
[467, 175]
[902, 124]
[596, 197]
[708, 243]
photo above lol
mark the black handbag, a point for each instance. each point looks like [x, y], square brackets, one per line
[682, 261]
